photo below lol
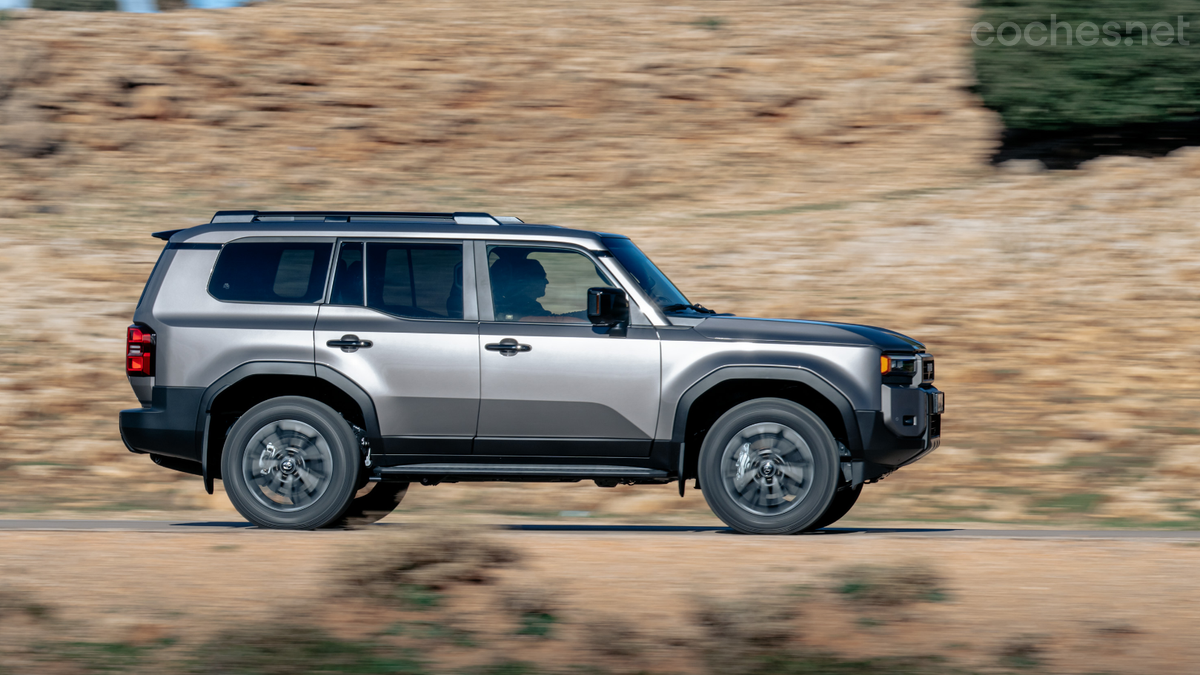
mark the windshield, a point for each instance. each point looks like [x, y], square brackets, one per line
[650, 278]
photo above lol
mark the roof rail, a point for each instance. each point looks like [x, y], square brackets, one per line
[461, 217]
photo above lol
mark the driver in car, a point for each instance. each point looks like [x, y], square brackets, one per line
[517, 283]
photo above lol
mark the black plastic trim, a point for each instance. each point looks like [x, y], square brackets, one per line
[190, 246]
[425, 445]
[806, 377]
[294, 368]
[249, 215]
[557, 447]
[176, 464]
[883, 447]
[465, 471]
[168, 427]
[682, 462]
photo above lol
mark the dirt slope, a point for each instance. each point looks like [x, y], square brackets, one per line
[552, 101]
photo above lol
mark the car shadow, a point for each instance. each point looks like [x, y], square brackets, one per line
[829, 531]
[584, 528]
[234, 525]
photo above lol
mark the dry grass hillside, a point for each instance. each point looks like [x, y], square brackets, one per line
[814, 160]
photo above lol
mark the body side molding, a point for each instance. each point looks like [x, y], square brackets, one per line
[291, 368]
[785, 373]
[487, 471]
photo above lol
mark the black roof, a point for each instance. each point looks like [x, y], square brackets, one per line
[460, 217]
[384, 222]
[455, 218]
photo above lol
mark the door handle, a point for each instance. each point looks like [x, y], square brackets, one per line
[349, 343]
[507, 347]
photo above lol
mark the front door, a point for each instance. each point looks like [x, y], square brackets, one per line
[551, 383]
[396, 324]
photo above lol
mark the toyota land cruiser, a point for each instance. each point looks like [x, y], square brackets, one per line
[320, 362]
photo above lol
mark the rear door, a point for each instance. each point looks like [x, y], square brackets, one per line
[400, 323]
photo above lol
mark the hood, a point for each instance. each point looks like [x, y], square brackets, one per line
[788, 330]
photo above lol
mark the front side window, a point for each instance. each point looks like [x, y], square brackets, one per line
[275, 272]
[539, 284]
[413, 280]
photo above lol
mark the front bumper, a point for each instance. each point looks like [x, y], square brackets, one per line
[908, 428]
[168, 427]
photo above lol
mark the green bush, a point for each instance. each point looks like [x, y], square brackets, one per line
[1123, 78]
[76, 5]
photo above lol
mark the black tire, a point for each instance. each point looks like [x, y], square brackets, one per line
[375, 505]
[769, 466]
[842, 502]
[291, 463]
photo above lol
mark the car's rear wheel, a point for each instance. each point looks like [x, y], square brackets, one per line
[842, 502]
[769, 466]
[291, 463]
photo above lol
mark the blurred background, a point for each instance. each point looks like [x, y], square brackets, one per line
[858, 161]
[1026, 209]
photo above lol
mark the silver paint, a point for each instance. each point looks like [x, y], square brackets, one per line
[200, 338]
[586, 369]
[422, 383]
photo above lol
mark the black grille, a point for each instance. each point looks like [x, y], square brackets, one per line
[935, 426]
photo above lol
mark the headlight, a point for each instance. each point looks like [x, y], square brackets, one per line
[898, 365]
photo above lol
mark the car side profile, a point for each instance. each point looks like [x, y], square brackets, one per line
[319, 362]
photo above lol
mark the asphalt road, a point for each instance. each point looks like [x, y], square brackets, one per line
[166, 526]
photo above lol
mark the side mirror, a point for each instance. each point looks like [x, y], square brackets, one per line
[608, 307]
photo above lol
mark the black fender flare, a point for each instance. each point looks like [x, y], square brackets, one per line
[784, 373]
[298, 369]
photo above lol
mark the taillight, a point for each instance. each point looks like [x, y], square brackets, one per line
[139, 351]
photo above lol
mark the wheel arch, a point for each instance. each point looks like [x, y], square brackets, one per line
[720, 390]
[252, 383]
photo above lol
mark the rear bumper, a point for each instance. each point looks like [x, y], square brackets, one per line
[169, 427]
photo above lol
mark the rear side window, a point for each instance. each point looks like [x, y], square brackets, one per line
[421, 281]
[278, 272]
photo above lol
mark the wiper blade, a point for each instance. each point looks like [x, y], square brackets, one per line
[695, 307]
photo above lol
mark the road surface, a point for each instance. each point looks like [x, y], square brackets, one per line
[178, 526]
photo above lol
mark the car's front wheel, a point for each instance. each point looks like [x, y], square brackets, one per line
[291, 463]
[769, 466]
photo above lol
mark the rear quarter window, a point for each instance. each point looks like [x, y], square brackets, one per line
[275, 272]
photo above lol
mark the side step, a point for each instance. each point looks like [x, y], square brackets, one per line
[527, 471]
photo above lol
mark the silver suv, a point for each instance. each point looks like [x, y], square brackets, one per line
[319, 362]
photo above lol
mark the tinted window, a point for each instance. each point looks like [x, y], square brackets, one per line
[271, 272]
[649, 277]
[348, 276]
[541, 284]
[422, 281]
